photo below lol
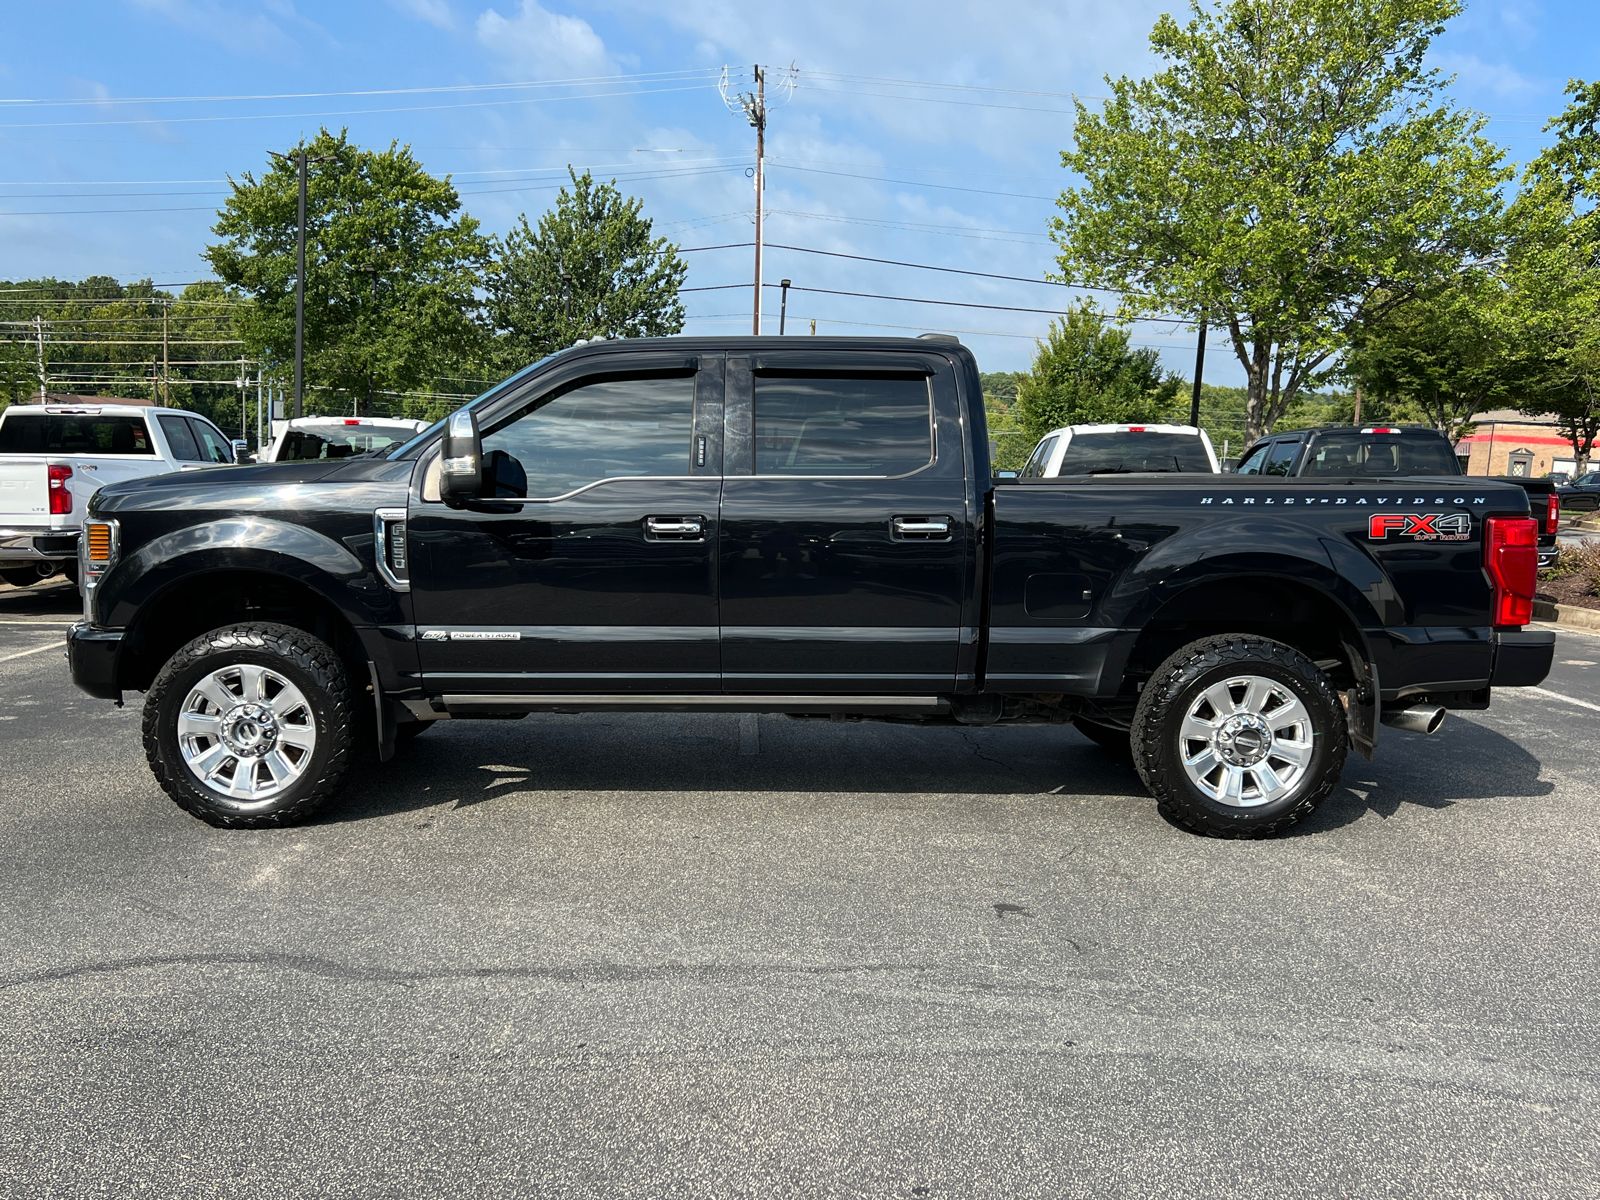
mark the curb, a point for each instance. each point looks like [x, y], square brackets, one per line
[1569, 617]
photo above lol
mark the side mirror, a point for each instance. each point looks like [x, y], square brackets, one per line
[461, 459]
[241, 452]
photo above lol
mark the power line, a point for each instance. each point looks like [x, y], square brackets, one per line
[1052, 312]
[1020, 237]
[947, 187]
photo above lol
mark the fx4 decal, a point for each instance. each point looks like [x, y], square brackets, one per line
[1420, 527]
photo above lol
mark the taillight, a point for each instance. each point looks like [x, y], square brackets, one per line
[1552, 514]
[60, 498]
[1511, 556]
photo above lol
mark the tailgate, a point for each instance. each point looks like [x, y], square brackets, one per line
[24, 491]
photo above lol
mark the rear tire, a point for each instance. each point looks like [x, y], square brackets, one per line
[250, 726]
[1239, 736]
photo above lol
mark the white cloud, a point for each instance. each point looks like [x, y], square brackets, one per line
[1478, 75]
[434, 12]
[256, 34]
[544, 44]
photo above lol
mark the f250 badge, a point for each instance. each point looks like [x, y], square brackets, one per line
[1420, 527]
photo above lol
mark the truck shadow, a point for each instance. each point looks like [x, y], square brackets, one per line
[463, 764]
[54, 598]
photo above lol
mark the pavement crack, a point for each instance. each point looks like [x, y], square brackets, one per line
[978, 752]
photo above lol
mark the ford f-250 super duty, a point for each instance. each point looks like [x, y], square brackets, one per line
[801, 526]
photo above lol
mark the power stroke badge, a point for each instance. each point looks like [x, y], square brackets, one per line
[471, 635]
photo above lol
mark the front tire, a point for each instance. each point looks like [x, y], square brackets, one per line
[1239, 736]
[250, 726]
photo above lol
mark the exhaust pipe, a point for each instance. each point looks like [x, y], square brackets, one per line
[1418, 718]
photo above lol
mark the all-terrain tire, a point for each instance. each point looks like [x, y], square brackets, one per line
[305, 661]
[1177, 684]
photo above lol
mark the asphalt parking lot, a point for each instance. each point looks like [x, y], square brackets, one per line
[641, 956]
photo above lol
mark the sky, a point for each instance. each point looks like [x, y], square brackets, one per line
[925, 132]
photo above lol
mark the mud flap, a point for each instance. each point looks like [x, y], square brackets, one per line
[383, 718]
[1362, 705]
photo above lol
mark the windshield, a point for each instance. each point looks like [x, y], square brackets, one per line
[335, 440]
[1119, 451]
[1379, 454]
[1587, 479]
[75, 433]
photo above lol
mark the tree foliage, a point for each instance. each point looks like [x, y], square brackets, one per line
[1553, 275]
[1445, 355]
[590, 269]
[392, 269]
[1291, 174]
[1084, 372]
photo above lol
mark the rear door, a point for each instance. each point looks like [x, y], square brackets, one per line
[845, 558]
[592, 570]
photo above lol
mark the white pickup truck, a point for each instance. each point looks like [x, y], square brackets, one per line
[54, 457]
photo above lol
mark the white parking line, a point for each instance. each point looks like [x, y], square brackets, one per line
[35, 650]
[38, 624]
[1537, 691]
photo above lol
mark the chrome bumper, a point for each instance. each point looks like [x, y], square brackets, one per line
[36, 544]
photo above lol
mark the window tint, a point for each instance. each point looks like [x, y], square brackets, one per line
[1280, 458]
[611, 429]
[1118, 451]
[828, 425]
[1040, 456]
[1356, 453]
[59, 433]
[214, 448]
[1252, 461]
[180, 438]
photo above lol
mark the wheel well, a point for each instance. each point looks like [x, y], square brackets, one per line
[1288, 612]
[211, 600]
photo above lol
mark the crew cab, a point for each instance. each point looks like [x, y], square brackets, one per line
[804, 526]
[1389, 452]
[53, 457]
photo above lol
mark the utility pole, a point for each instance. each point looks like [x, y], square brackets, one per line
[1199, 370]
[783, 306]
[300, 291]
[753, 106]
[166, 364]
[38, 334]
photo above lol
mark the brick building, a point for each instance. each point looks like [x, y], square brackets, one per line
[1512, 443]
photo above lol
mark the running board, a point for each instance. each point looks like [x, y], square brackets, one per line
[467, 705]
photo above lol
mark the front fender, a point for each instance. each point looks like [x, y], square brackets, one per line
[340, 571]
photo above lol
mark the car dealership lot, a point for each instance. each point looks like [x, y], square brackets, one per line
[634, 955]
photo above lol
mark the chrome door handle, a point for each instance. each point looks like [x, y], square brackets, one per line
[677, 528]
[916, 527]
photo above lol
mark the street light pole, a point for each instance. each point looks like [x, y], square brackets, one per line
[783, 305]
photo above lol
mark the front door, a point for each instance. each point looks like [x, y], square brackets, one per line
[845, 556]
[592, 569]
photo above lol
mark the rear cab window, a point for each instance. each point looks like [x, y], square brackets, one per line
[878, 426]
[337, 440]
[1360, 452]
[75, 433]
[1128, 451]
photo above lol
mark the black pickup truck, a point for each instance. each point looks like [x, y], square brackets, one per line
[805, 526]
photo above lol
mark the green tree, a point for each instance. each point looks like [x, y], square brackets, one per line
[392, 269]
[1553, 274]
[1291, 174]
[1084, 373]
[590, 269]
[1445, 355]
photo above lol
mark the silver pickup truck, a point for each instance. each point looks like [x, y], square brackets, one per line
[54, 457]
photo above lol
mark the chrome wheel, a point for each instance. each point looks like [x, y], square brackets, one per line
[1246, 741]
[246, 732]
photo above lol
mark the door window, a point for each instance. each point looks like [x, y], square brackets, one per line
[1039, 458]
[181, 438]
[839, 425]
[1280, 458]
[214, 448]
[607, 429]
[1254, 460]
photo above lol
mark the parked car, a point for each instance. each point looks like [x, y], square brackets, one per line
[337, 437]
[1387, 452]
[54, 457]
[1581, 494]
[806, 526]
[1120, 450]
